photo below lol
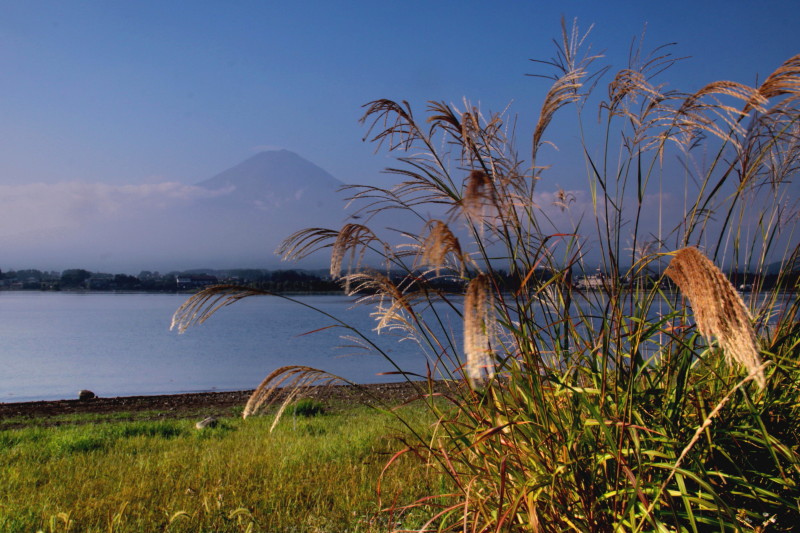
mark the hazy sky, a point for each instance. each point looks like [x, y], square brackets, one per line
[112, 109]
[153, 91]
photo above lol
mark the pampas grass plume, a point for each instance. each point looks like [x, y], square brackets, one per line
[438, 244]
[479, 329]
[718, 309]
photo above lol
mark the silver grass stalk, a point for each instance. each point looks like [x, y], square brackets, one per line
[294, 380]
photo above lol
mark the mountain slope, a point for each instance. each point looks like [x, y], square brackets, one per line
[253, 206]
[274, 179]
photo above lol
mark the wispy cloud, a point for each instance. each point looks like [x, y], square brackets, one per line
[145, 226]
[49, 209]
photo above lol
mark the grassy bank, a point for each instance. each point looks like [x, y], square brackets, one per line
[312, 473]
[594, 397]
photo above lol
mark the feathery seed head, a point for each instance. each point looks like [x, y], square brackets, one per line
[479, 329]
[352, 238]
[718, 309]
[438, 244]
[392, 306]
[478, 193]
[784, 81]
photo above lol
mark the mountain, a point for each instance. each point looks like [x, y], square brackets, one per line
[250, 208]
[274, 179]
[237, 218]
[254, 205]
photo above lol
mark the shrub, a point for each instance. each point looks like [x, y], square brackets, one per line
[595, 404]
[307, 407]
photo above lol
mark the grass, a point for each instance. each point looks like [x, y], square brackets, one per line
[307, 407]
[13, 422]
[636, 405]
[312, 473]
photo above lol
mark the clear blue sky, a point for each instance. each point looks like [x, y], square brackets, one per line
[124, 92]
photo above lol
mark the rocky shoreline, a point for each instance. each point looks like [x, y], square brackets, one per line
[207, 403]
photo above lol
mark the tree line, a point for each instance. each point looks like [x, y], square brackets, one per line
[149, 281]
[301, 280]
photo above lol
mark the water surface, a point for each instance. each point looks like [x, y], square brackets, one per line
[54, 344]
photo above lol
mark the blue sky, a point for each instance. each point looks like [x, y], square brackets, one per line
[153, 91]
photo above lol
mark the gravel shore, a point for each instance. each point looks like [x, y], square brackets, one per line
[206, 403]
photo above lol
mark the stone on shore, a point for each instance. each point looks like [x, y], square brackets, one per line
[84, 395]
[209, 422]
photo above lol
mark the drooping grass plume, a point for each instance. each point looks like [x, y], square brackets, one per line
[393, 307]
[438, 244]
[479, 195]
[202, 305]
[294, 379]
[574, 73]
[718, 309]
[305, 242]
[784, 81]
[353, 239]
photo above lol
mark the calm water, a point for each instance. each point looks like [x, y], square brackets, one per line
[54, 344]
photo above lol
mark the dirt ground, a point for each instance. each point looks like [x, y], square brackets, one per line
[197, 404]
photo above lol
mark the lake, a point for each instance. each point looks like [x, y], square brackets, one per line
[54, 344]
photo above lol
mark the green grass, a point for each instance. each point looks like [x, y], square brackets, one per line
[313, 473]
[94, 418]
[307, 407]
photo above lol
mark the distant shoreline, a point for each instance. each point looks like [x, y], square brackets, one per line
[187, 292]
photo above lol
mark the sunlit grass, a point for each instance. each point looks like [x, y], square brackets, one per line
[12, 422]
[626, 405]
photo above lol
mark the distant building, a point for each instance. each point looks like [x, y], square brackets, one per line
[194, 281]
[48, 285]
[591, 282]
